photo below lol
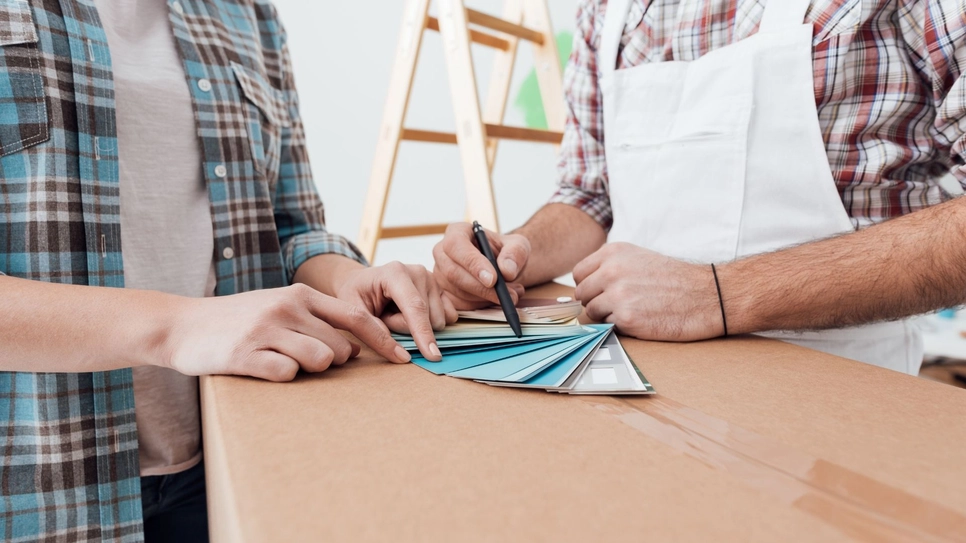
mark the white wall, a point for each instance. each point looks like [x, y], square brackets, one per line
[343, 53]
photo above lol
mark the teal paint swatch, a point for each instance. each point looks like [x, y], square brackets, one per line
[458, 362]
[501, 369]
[555, 375]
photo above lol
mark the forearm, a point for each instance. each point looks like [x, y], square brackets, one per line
[904, 267]
[54, 328]
[560, 236]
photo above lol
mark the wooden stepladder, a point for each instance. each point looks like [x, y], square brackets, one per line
[478, 128]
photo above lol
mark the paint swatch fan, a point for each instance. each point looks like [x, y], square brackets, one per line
[556, 353]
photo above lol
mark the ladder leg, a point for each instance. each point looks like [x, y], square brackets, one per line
[470, 130]
[501, 76]
[390, 131]
[547, 61]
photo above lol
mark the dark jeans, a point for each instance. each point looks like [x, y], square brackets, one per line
[175, 507]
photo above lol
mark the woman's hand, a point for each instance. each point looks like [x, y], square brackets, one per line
[271, 334]
[406, 297]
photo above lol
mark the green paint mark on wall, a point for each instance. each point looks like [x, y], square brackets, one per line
[528, 100]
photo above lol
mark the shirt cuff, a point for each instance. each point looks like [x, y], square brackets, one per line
[302, 247]
[594, 204]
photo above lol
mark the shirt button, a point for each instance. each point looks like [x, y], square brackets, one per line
[178, 8]
[221, 170]
[228, 253]
[204, 85]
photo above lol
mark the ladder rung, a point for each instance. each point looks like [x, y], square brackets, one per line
[428, 136]
[413, 231]
[494, 23]
[502, 132]
[495, 131]
[482, 38]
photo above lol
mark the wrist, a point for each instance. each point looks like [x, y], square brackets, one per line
[720, 298]
[168, 322]
[702, 309]
[327, 273]
[736, 305]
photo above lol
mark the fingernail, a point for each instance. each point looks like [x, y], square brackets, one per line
[402, 355]
[486, 277]
[434, 350]
[511, 267]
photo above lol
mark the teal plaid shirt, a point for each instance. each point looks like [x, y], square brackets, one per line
[68, 455]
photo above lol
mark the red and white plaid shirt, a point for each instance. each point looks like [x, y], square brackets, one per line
[891, 102]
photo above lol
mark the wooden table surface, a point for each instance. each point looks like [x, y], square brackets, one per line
[748, 439]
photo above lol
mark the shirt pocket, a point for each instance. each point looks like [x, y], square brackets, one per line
[835, 20]
[23, 103]
[267, 116]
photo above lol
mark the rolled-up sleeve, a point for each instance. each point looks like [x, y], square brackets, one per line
[583, 166]
[299, 212]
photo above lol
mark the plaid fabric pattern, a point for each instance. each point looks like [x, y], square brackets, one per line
[891, 103]
[23, 110]
[68, 452]
[16, 23]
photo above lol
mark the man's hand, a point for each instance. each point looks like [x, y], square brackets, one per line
[468, 277]
[648, 295]
[271, 334]
[406, 298]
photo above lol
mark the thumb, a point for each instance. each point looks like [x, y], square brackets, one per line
[396, 322]
[513, 256]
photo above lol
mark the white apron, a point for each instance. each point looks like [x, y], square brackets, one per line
[723, 157]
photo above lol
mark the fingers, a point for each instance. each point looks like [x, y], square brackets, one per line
[311, 327]
[359, 322]
[591, 287]
[414, 307]
[589, 265]
[396, 322]
[459, 245]
[513, 256]
[449, 310]
[270, 366]
[599, 309]
[464, 302]
[311, 354]
[427, 285]
[516, 291]
[462, 283]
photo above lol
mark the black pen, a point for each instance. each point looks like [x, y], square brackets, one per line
[502, 291]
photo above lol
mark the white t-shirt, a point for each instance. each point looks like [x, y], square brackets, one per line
[167, 241]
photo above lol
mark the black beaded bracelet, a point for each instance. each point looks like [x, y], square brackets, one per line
[717, 285]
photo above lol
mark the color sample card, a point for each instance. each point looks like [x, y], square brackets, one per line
[610, 371]
[499, 370]
[532, 311]
[556, 354]
[458, 362]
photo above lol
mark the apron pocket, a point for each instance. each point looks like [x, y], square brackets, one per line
[690, 203]
[728, 119]
[23, 104]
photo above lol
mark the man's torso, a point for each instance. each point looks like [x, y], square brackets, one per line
[885, 87]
